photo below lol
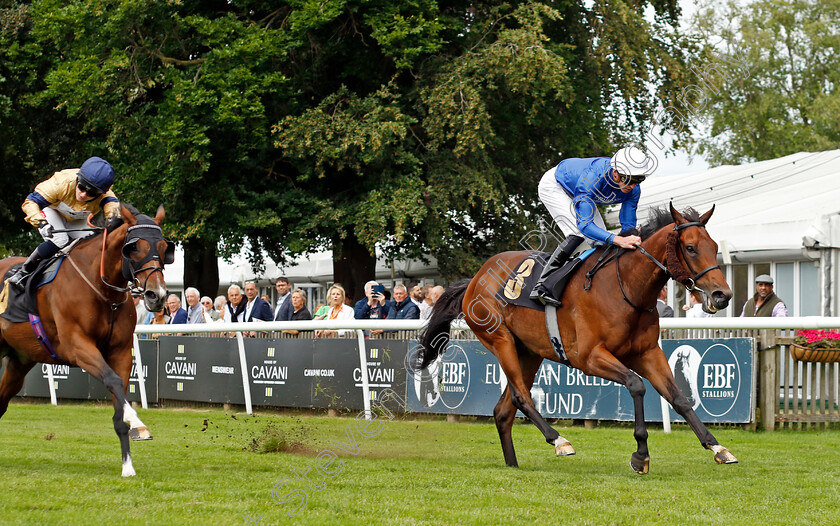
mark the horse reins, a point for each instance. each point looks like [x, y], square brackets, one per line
[137, 289]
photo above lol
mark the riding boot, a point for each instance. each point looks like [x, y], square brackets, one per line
[558, 258]
[26, 269]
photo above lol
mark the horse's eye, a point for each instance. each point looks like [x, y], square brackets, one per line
[690, 248]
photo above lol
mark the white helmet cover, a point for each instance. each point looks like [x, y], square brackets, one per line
[633, 162]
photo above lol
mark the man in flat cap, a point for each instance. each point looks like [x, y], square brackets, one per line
[765, 303]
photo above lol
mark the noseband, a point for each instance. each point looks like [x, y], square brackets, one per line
[673, 267]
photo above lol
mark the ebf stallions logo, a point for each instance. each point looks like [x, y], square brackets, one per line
[711, 380]
[445, 380]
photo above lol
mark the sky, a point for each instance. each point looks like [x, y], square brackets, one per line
[678, 163]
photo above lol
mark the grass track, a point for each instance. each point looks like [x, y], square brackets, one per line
[61, 465]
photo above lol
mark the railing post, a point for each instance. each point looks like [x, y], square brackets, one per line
[767, 388]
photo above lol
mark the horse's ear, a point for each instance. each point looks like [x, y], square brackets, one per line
[678, 217]
[705, 217]
[159, 215]
[127, 216]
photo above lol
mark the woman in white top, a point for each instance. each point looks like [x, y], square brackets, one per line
[696, 308]
[338, 311]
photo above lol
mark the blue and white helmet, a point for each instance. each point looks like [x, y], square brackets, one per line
[97, 173]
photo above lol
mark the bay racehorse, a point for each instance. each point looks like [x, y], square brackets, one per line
[608, 324]
[88, 317]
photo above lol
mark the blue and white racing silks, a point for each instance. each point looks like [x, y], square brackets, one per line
[590, 183]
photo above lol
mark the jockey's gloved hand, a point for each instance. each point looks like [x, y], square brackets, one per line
[45, 229]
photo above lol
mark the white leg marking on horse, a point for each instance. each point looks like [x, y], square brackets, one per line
[128, 467]
[130, 417]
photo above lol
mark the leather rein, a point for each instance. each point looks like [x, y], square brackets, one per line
[682, 273]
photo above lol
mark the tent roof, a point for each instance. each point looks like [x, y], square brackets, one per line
[768, 205]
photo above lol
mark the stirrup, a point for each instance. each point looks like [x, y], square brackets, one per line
[541, 294]
[17, 279]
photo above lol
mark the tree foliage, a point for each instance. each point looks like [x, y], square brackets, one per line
[782, 95]
[415, 127]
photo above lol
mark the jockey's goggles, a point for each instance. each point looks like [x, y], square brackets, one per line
[633, 179]
[86, 188]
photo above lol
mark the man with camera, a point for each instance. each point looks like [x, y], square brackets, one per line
[374, 306]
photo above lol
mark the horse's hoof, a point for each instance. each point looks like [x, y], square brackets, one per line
[564, 449]
[725, 457]
[639, 465]
[139, 433]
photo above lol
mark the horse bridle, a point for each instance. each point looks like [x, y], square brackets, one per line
[682, 273]
[132, 268]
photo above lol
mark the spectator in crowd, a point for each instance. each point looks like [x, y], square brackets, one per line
[140, 309]
[208, 312]
[373, 307]
[764, 303]
[338, 310]
[157, 318]
[416, 294]
[219, 306]
[283, 309]
[427, 304]
[300, 313]
[321, 311]
[161, 316]
[256, 309]
[195, 312]
[177, 315]
[431, 298]
[235, 309]
[662, 307]
[695, 310]
[404, 308]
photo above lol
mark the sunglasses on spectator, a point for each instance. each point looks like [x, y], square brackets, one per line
[86, 188]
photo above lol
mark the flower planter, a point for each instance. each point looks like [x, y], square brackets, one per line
[807, 354]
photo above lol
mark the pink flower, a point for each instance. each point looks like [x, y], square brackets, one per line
[818, 339]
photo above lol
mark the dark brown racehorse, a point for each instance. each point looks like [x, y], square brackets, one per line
[88, 315]
[609, 330]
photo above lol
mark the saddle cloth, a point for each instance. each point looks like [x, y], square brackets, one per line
[520, 280]
[16, 305]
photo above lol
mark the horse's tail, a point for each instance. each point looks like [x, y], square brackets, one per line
[435, 337]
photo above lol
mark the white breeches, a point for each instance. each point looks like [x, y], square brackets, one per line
[561, 206]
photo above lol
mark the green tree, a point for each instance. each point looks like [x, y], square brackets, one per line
[777, 90]
[413, 127]
[33, 142]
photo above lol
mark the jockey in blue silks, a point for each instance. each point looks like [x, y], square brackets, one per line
[572, 191]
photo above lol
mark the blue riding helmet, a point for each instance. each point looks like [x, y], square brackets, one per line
[97, 173]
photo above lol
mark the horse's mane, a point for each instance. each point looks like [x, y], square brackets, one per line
[109, 226]
[661, 217]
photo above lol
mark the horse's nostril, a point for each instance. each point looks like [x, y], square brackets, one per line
[720, 298]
